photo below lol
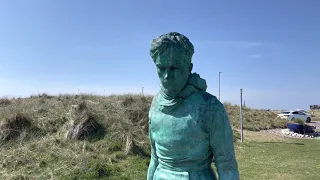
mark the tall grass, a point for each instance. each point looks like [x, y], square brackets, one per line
[254, 119]
[41, 152]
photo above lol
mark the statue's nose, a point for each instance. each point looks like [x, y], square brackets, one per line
[167, 74]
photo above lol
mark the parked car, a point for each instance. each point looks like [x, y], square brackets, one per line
[291, 115]
[300, 110]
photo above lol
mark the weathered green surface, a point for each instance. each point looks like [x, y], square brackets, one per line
[187, 125]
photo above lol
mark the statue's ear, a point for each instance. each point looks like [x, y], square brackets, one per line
[191, 66]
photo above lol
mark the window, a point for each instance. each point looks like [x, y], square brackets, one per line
[285, 113]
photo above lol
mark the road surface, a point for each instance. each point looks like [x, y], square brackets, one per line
[316, 123]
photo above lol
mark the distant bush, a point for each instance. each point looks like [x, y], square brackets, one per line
[5, 101]
[298, 120]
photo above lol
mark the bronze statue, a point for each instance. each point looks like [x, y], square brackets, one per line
[187, 125]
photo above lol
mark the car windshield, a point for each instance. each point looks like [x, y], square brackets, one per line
[285, 112]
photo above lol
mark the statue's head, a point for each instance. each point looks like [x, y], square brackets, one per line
[172, 54]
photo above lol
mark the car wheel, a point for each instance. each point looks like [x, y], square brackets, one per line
[308, 120]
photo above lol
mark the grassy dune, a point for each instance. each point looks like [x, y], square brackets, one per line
[253, 119]
[38, 149]
[315, 115]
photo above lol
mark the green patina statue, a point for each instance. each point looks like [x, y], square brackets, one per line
[188, 127]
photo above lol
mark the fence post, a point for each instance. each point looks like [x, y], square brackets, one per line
[241, 119]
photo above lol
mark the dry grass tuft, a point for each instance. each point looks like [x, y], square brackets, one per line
[82, 123]
[4, 101]
[15, 125]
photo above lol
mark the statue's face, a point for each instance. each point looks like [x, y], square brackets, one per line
[173, 72]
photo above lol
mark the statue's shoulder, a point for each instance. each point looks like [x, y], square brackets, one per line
[210, 101]
[211, 109]
[207, 97]
[154, 102]
[155, 98]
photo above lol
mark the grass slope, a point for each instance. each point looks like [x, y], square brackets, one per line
[315, 115]
[40, 152]
[276, 157]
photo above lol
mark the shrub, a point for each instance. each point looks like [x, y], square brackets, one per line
[299, 121]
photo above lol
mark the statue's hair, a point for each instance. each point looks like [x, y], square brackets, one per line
[169, 40]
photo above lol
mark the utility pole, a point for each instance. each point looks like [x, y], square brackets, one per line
[142, 91]
[241, 119]
[219, 85]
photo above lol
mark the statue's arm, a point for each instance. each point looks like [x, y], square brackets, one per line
[154, 159]
[221, 141]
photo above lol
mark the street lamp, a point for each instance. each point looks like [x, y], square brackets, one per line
[142, 91]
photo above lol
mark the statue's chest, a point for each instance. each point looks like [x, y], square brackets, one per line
[186, 122]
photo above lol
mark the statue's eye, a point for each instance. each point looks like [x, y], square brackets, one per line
[173, 68]
[161, 68]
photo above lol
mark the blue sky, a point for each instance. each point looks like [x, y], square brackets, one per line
[268, 48]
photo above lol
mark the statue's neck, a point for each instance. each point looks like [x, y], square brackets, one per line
[193, 84]
[165, 96]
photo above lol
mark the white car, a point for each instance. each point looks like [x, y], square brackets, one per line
[291, 115]
[305, 112]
